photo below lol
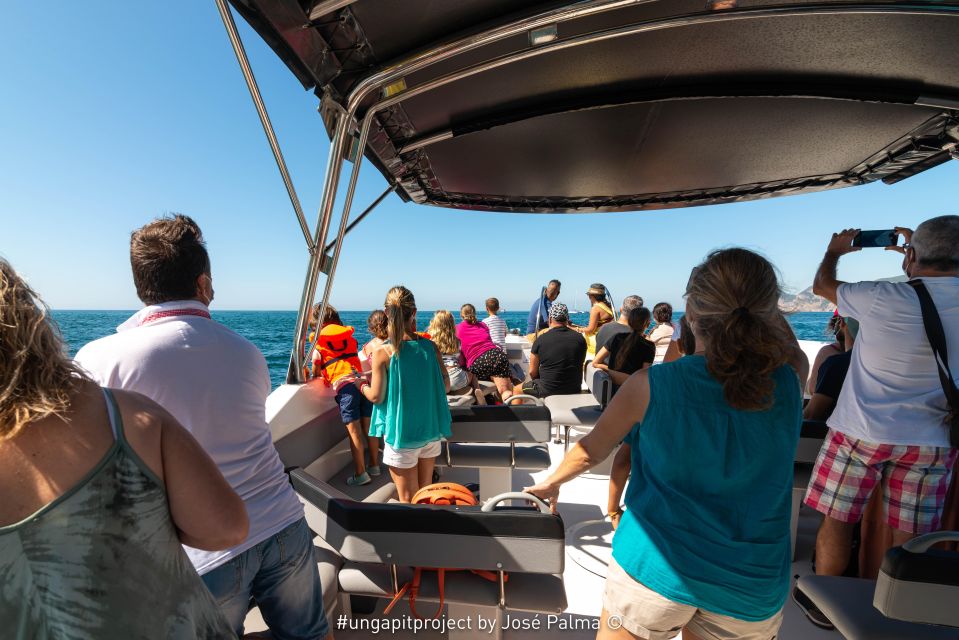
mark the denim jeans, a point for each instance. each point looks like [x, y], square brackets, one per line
[280, 573]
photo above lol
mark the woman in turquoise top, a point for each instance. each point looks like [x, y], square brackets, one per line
[703, 546]
[99, 490]
[408, 391]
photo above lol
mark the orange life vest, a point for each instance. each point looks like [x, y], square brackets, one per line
[338, 354]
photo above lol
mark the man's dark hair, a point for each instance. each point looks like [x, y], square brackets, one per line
[663, 312]
[554, 282]
[167, 256]
[492, 305]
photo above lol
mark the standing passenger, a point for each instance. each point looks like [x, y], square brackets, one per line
[408, 391]
[376, 323]
[539, 313]
[497, 326]
[99, 489]
[215, 383]
[704, 546]
[600, 313]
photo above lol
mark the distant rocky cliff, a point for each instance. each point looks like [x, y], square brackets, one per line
[805, 300]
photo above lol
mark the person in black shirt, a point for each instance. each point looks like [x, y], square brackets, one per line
[556, 360]
[627, 353]
[832, 375]
[610, 329]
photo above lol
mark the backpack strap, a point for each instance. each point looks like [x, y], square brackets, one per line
[937, 340]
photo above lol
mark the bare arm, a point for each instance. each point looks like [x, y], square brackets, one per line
[618, 476]
[819, 407]
[590, 329]
[206, 511]
[672, 351]
[599, 362]
[443, 369]
[826, 282]
[626, 409]
[375, 391]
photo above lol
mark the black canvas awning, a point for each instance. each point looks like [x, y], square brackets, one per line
[629, 105]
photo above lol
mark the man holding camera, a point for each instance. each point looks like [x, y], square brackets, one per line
[890, 422]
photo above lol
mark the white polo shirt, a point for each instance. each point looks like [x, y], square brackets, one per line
[892, 393]
[215, 383]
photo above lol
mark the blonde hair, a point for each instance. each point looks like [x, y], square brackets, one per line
[468, 313]
[400, 308]
[733, 300]
[443, 332]
[37, 379]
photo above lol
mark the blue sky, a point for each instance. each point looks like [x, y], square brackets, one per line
[116, 112]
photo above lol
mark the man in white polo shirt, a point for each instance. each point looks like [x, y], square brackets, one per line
[889, 422]
[215, 383]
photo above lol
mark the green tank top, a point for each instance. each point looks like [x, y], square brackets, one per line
[414, 412]
[103, 561]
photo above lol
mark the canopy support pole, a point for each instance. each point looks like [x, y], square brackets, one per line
[241, 58]
[390, 189]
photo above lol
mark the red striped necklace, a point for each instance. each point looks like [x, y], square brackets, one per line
[172, 313]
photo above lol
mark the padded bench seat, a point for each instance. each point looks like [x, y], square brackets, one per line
[539, 593]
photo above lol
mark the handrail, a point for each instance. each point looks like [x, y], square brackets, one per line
[241, 58]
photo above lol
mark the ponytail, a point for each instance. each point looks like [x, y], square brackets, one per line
[468, 313]
[734, 300]
[400, 307]
[638, 320]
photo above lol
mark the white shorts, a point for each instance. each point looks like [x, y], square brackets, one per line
[647, 614]
[409, 458]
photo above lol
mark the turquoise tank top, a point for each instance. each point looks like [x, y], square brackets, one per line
[414, 412]
[103, 561]
[708, 502]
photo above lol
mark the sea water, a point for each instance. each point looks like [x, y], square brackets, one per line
[272, 331]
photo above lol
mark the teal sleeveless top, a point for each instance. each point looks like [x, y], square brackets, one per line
[414, 412]
[708, 502]
[103, 562]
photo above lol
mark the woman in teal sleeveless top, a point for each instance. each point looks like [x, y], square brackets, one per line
[89, 549]
[408, 392]
[703, 545]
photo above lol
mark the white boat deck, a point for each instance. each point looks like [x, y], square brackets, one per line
[582, 506]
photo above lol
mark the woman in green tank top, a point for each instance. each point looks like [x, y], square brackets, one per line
[100, 489]
[408, 392]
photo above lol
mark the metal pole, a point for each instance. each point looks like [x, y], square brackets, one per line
[264, 117]
[345, 218]
[333, 166]
[390, 189]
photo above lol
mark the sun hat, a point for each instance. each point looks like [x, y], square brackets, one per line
[559, 312]
[596, 289]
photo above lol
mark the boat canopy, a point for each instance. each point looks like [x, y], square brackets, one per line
[613, 105]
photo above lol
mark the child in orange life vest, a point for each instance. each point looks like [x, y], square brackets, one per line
[336, 361]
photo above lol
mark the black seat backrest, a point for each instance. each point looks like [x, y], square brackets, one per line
[519, 540]
[499, 423]
[920, 586]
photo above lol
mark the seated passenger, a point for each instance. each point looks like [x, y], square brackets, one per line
[832, 374]
[627, 353]
[662, 333]
[337, 363]
[215, 383]
[497, 326]
[703, 546]
[836, 347]
[408, 391]
[100, 488]
[621, 325]
[600, 313]
[484, 359]
[556, 359]
[442, 331]
[376, 323]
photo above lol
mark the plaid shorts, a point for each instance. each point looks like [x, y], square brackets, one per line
[914, 481]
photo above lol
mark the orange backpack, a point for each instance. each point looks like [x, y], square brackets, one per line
[441, 493]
